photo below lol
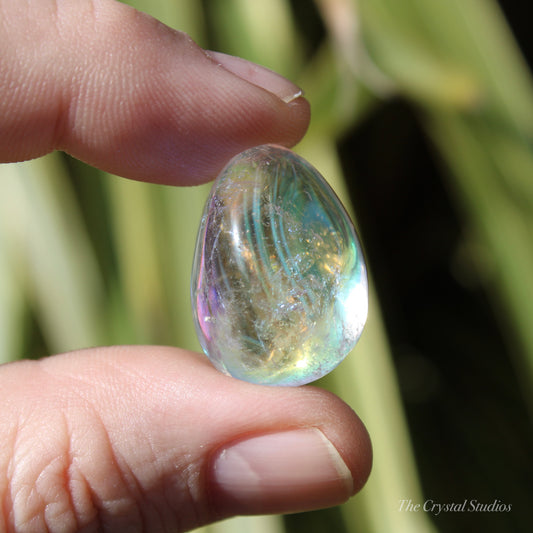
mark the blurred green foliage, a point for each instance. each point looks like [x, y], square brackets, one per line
[88, 259]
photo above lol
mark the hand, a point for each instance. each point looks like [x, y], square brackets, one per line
[151, 438]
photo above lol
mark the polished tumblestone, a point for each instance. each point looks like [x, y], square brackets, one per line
[279, 286]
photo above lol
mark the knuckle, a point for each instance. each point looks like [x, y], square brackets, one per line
[62, 480]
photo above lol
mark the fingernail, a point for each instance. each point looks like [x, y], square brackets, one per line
[258, 75]
[282, 472]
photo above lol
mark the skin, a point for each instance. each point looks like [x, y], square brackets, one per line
[126, 438]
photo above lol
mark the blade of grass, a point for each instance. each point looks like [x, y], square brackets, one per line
[366, 380]
[136, 237]
[12, 301]
[181, 210]
[55, 263]
[344, 29]
[338, 99]
[260, 31]
[246, 524]
[409, 60]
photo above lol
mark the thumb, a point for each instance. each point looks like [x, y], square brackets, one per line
[124, 93]
[116, 438]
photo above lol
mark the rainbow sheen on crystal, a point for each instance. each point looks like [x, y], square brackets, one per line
[279, 286]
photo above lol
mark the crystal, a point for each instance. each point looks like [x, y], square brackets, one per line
[279, 287]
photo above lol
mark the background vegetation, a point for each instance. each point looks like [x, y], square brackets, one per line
[422, 121]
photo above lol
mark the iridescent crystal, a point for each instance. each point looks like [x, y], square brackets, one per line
[279, 286]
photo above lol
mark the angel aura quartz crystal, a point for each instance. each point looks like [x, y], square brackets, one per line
[279, 286]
